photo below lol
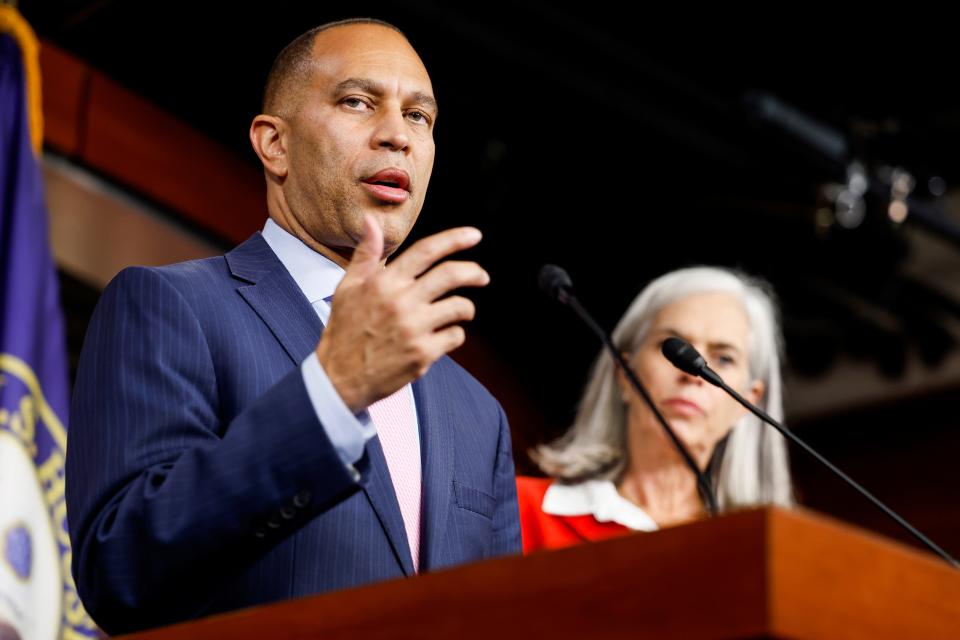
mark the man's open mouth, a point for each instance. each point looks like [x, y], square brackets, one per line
[389, 185]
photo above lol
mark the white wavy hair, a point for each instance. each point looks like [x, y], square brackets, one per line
[755, 468]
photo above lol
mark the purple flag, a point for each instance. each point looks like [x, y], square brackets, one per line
[38, 598]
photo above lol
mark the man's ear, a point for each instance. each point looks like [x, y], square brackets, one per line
[268, 135]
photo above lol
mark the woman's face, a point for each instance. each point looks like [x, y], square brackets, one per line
[700, 413]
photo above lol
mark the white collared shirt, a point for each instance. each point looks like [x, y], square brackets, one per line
[318, 277]
[598, 498]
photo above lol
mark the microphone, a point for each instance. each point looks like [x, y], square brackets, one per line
[555, 282]
[683, 356]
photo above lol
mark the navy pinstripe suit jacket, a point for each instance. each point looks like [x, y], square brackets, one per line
[200, 480]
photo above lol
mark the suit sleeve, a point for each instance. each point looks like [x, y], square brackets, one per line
[348, 432]
[166, 502]
[506, 518]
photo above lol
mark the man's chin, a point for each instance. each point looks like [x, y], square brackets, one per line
[396, 226]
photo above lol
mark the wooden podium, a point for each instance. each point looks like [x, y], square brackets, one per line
[758, 574]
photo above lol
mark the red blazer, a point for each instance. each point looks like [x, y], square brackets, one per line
[546, 531]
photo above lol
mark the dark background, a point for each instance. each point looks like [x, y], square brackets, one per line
[619, 144]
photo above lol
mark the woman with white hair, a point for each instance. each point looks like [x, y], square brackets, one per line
[615, 470]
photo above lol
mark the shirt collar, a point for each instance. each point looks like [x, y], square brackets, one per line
[315, 274]
[598, 498]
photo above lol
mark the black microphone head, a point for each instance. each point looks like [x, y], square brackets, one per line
[554, 280]
[683, 356]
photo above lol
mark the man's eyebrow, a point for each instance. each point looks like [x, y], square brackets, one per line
[363, 84]
[375, 88]
[426, 100]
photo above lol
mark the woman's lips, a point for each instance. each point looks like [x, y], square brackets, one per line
[683, 407]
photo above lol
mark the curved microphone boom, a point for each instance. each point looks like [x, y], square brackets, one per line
[555, 282]
[684, 357]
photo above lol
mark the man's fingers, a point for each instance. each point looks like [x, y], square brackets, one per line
[446, 340]
[449, 336]
[448, 311]
[368, 254]
[450, 275]
[424, 253]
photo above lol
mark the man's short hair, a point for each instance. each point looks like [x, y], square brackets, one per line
[291, 68]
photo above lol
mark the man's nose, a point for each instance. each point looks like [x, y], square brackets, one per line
[391, 132]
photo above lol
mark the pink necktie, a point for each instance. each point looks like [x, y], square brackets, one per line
[395, 421]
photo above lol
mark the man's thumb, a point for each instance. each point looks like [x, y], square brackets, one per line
[368, 254]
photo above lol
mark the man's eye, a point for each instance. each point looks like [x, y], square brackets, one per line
[354, 103]
[418, 116]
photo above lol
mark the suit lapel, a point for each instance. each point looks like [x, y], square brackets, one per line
[436, 446]
[275, 297]
[378, 486]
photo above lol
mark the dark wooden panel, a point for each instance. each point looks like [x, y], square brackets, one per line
[143, 147]
[64, 80]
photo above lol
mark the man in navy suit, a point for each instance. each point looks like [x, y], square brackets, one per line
[283, 420]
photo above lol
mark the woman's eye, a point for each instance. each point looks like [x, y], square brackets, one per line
[725, 360]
